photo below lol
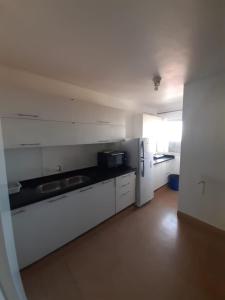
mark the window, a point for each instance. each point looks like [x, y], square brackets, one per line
[170, 136]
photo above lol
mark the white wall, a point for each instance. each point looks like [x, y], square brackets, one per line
[22, 164]
[203, 151]
[10, 282]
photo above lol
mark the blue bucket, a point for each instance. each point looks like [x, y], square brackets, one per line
[173, 182]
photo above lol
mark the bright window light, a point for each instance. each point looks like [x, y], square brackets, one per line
[174, 131]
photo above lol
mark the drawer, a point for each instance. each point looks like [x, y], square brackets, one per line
[123, 180]
[124, 200]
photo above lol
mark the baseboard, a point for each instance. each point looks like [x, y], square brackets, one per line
[198, 223]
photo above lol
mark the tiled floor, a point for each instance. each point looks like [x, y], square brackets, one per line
[140, 254]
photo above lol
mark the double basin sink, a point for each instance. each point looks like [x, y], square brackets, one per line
[57, 185]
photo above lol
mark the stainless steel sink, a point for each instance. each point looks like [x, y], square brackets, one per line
[57, 185]
[49, 187]
[75, 180]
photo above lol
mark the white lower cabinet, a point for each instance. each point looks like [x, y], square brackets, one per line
[125, 191]
[97, 203]
[161, 172]
[43, 227]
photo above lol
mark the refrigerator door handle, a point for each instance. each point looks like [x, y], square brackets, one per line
[143, 168]
[142, 150]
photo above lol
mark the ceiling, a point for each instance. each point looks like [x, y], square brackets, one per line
[116, 46]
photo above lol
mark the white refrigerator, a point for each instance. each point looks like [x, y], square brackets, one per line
[140, 156]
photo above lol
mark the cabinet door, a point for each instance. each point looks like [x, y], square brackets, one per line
[87, 112]
[22, 133]
[157, 176]
[105, 200]
[164, 172]
[59, 133]
[98, 133]
[111, 116]
[41, 228]
[167, 170]
[117, 132]
[33, 133]
[28, 104]
[90, 133]
[97, 203]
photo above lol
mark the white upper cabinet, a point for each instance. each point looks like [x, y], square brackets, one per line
[98, 133]
[32, 105]
[26, 104]
[22, 133]
[59, 133]
[36, 133]
[86, 112]
[31, 120]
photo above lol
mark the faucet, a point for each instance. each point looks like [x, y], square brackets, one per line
[59, 168]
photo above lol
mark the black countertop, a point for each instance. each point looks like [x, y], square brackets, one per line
[30, 194]
[161, 158]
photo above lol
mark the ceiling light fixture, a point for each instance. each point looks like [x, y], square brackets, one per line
[156, 81]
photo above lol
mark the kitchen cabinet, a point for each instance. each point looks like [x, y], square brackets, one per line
[27, 104]
[157, 176]
[161, 172]
[22, 133]
[19, 133]
[87, 112]
[38, 133]
[99, 203]
[125, 191]
[43, 227]
[58, 133]
[99, 133]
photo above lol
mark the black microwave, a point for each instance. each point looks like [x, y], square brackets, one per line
[112, 159]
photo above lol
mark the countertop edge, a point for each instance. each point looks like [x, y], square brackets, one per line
[25, 203]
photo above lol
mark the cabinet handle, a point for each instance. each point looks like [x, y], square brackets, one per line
[126, 175]
[107, 181]
[203, 183]
[56, 199]
[28, 115]
[87, 189]
[124, 194]
[103, 141]
[31, 144]
[125, 184]
[18, 212]
[104, 122]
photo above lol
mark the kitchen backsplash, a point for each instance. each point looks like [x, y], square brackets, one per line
[22, 164]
